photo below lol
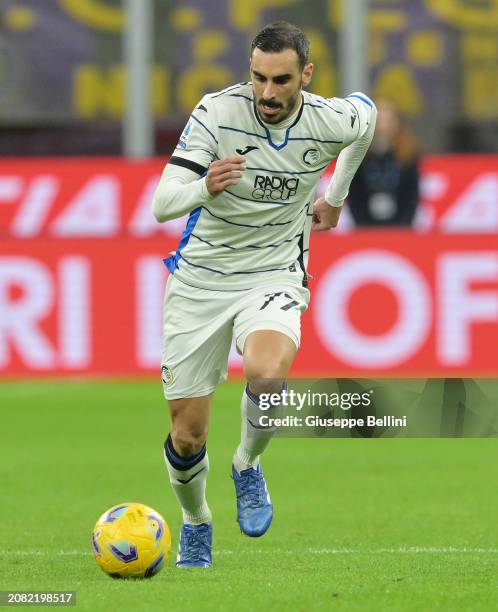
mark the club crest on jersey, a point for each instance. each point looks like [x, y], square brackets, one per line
[274, 187]
[167, 375]
[185, 135]
[311, 157]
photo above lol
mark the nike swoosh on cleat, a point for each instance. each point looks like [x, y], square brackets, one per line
[202, 107]
[246, 150]
[191, 478]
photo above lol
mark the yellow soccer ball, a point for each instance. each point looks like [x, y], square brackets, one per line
[131, 541]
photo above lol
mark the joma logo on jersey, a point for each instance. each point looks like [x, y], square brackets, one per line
[274, 187]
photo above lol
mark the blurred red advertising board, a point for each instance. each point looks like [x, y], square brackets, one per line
[383, 302]
[81, 277]
[106, 198]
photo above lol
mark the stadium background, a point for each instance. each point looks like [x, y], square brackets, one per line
[360, 524]
[81, 278]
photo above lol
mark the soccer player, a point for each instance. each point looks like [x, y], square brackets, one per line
[246, 168]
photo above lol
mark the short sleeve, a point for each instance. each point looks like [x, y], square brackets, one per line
[198, 142]
[358, 115]
[355, 112]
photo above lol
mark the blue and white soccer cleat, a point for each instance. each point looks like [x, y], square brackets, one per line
[254, 508]
[194, 549]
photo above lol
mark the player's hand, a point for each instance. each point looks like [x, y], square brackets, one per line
[324, 216]
[223, 173]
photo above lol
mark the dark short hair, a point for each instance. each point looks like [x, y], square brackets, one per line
[281, 35]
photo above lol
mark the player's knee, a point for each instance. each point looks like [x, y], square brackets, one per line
[266, 378]
[276, 368]
[265, 385]
[187, 442]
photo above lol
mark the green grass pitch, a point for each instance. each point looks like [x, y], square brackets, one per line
[402, 524]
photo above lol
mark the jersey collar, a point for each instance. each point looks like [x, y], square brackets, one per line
[276, 126]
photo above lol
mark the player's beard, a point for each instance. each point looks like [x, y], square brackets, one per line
[287, 107]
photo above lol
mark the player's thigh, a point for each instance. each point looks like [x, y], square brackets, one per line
[268, 330]
[268, 354]
[197, 334]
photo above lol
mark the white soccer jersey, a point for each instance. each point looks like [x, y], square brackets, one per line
[258, 230]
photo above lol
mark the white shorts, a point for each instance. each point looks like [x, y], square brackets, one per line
[199, 324]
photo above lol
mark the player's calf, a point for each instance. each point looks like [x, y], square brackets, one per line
[188, 476]
[254, 507]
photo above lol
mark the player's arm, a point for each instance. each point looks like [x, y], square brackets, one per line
[191, 177]
[180, 190]
[184, 187]
[360, 117]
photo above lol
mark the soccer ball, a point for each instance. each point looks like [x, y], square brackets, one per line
[131, 541]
